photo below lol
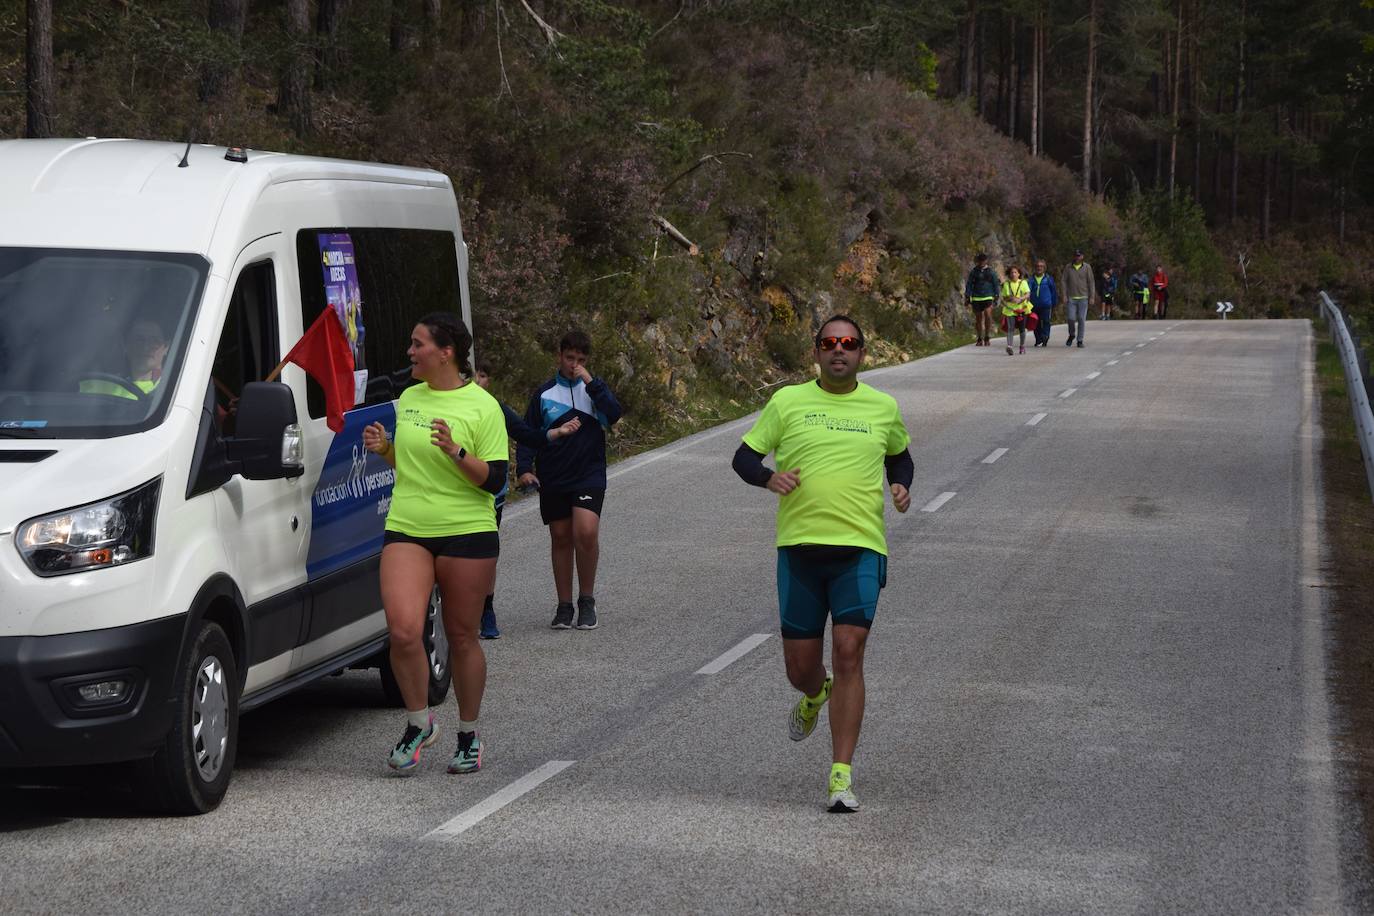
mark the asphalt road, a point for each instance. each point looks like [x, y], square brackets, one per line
[1096, 684]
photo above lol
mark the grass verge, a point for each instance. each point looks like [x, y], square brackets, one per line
[1349, 535]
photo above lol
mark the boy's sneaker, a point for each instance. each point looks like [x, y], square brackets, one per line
[586, 613]
[468, 757]
[842, 799]
[406, 754]
[562, 616]
[489, 629]
[802, 721]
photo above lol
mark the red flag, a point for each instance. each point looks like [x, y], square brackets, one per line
[323, 352]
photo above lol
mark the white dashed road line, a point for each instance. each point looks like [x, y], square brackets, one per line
[997, 453]
[938, 501]
[747, 645]
[1113, 362]
[1035, 420]
[495, 802]
[1067, 393]
[1093, 375]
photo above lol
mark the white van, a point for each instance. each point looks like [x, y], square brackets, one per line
[180, 540]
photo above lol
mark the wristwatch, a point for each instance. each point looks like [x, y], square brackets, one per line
[462, 453]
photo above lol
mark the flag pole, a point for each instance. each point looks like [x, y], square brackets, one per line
[271, 376]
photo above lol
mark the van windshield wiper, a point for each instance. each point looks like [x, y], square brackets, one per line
[22, 433]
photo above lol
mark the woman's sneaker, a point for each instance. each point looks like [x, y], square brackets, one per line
[1023, 349]
[468, 757]
[802, 720]
[406, 754]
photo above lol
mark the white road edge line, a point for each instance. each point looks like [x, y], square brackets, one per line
[1093, 375]
[1113, 362]
[498, 800]
[1035, 420]
[728, 657]
[996, 453]
[938, 501]
[1067, 392]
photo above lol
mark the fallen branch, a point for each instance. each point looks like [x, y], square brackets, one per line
[680, 7]
[710, 157]
[550, 32]
[676, 235]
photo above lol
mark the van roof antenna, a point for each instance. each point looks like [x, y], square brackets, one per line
[184, 161]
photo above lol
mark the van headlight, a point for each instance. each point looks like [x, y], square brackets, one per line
[112, 532]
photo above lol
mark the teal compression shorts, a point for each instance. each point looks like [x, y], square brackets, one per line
[816, 582]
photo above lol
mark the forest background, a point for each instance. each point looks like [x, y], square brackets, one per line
[697, 182]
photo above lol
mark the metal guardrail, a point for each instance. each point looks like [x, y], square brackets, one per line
[1354, 384]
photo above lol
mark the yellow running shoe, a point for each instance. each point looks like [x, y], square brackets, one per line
[842, 799]
[802, 720]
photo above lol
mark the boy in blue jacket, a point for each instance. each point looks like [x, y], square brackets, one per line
[571, 475]
[1044, 296]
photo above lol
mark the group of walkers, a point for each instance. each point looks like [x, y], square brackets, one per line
[451, 454]
[1028, 303]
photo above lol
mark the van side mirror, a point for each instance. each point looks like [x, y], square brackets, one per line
[267, 444]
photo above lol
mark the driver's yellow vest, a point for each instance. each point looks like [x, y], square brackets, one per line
[100, 386]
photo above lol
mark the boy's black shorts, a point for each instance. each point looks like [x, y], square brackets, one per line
[557, 505]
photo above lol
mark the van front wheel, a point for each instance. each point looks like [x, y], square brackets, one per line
[190, 773]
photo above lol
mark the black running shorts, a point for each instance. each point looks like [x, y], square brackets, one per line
[483, 545]
[554, 506]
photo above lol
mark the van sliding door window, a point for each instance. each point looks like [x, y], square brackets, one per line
[379, 282]
[248, 345]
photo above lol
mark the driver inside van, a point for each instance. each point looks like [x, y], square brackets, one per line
[145, 347]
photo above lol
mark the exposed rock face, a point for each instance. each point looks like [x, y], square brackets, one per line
[747, 332]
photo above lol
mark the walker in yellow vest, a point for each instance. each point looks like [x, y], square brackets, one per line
[1016, 316]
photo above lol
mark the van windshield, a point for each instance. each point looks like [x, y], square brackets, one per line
[91, 341]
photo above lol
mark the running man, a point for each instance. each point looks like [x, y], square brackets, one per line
[572, 476]
[831, 438]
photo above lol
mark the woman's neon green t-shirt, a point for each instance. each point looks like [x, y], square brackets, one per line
[432, 498]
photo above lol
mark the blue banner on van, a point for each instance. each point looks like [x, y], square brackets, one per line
[348, 508]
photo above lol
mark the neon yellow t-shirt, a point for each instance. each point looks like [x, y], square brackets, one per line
[432, 498]
[839, 442]
[101, 386]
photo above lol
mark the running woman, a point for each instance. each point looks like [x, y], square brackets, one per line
[523, 434]
[832, 438]
[450, 456]
[572, 477]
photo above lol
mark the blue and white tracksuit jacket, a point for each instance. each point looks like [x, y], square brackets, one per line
[576, 462]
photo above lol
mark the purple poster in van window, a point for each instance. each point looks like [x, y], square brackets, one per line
[341, 289]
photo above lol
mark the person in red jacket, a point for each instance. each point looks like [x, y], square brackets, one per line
[1159, 284]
